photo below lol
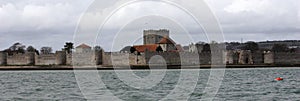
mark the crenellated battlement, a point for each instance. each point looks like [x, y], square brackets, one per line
[154, 36]
[152, 31]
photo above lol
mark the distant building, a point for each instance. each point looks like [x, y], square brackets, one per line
[167, 44]
[83, 48]
[195, 48]
[268, 45]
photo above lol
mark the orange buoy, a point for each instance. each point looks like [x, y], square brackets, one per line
[279, 79]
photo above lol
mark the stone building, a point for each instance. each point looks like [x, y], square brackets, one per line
[83, 48]
[85, 55]
[268, 57]
[195, 47]
[245, 57]
[167, 44]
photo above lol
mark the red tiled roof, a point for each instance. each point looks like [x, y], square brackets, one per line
[166, 40]
[83, 46]
[149, 47]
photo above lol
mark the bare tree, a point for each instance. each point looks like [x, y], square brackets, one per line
[15, 48]
[251, 45]
[32, 49]
[98, 48]
[20, 48]
[46, 50]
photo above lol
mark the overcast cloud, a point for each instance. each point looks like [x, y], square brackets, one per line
[53, 22]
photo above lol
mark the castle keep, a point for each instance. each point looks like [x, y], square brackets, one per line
[154, 36]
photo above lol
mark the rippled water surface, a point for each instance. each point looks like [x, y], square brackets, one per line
[237, 84]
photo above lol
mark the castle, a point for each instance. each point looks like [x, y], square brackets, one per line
[158, 48]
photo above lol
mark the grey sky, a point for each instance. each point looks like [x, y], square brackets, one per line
[53, 22]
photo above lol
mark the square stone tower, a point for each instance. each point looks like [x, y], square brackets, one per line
[154, 36]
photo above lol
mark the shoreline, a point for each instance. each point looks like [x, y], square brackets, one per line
[137, 67]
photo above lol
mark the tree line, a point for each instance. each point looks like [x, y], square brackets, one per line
[19, 48]
[250, 45]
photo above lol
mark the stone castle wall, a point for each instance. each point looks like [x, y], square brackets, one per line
[258, 57]
[244, 57]
[205, 58]
[83, 59]
[3, 58]
[171, 58]
[122, 59]
[232, 57]
[57, 58]
[286, 58]
[269, 57]
[45, 59]
[69, 59]
[187, 58]
[176, 58]
[87, 58]
[61, 57]
[106, 59]
[21, 59]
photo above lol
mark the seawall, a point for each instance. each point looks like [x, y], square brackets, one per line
[100, 67]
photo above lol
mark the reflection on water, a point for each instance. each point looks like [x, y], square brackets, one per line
[238, 84]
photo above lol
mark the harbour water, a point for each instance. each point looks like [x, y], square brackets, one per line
[237, 84]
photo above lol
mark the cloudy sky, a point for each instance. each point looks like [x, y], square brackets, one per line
[53, 22]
